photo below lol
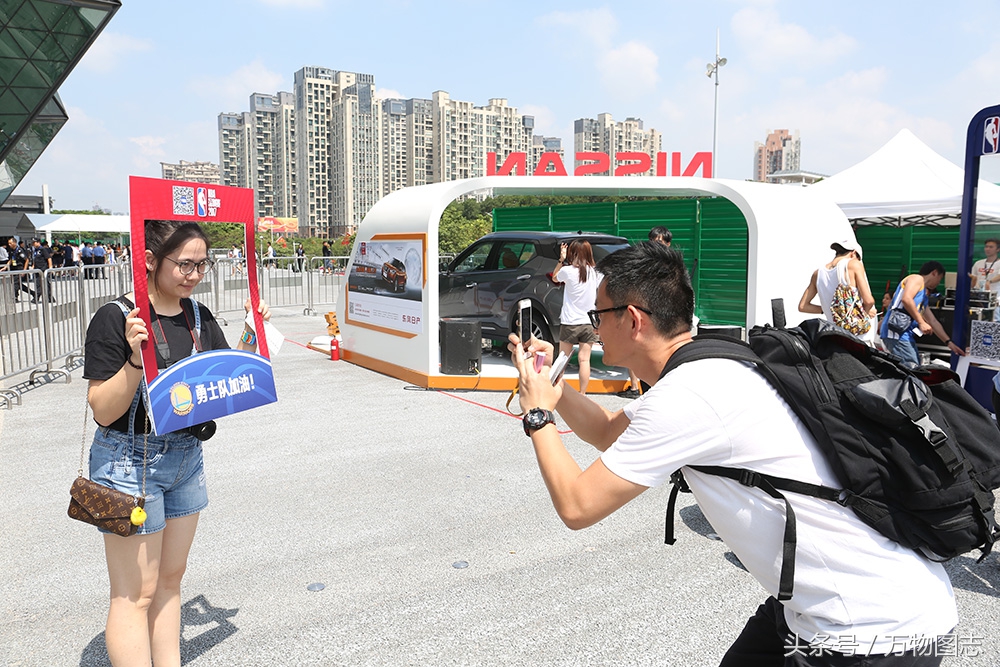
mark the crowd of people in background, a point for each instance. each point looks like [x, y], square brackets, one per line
[25, 255]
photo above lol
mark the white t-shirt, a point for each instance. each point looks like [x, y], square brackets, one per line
[850, 581]
[578, 297]
[984, 269]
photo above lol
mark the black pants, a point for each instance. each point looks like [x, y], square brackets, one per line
[766, 640]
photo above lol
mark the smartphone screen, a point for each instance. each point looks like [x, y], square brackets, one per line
[524, 322]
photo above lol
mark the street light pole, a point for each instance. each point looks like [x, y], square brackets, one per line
[713, 70]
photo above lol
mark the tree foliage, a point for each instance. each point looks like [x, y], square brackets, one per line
[456, 231]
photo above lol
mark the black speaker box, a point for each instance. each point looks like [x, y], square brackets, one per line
[461, 346]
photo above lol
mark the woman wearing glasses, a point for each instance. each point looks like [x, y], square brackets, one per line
[576, 271]
[145, 570]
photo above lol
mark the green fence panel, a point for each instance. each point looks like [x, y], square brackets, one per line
[712, 234]
[890, 253]
[526, 218]
[599, 217]
[721, 274]
[635, 219]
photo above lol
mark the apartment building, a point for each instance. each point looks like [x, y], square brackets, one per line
[407, 141]
[234, 143]
[356, 178]
[329, 150]
[540, 144]
[197, 172]
[271, 153]
[463, 134]
[314, 90]
[604, 135]
[781, 151]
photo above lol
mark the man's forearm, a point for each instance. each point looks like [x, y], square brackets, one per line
[560, 471]
[591, 422]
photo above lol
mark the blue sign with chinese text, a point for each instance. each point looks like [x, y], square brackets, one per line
[207, 386]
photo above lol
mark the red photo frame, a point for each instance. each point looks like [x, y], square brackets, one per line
[159, 199]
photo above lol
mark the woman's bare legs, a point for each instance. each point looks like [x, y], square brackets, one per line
[583, 358]
[145, 614]
[164, 614]
[133, 563]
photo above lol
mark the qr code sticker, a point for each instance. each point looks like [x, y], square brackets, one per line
[985, 339]
[183, 200]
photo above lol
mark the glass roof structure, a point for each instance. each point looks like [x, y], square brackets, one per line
[41, 41]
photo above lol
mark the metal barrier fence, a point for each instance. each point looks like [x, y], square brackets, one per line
[44, 315]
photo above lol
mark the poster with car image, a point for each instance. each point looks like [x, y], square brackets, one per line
[385, 286]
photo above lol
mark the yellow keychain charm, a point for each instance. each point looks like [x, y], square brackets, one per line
[138, 516]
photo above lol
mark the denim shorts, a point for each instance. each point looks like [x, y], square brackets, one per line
[175, 472]
[904, 350]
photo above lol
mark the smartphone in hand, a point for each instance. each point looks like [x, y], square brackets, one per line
[524, 324]
[558, 368]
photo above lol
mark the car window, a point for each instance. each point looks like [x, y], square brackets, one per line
[515, 253]
[476, 259]
[602, 250]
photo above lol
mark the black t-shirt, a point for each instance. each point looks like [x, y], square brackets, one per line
[106, 349]
[41, 257]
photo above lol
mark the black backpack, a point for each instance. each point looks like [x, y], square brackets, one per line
[917, 456]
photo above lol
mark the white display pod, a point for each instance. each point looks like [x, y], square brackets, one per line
[789, 235]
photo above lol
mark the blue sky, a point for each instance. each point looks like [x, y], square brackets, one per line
[847, 75]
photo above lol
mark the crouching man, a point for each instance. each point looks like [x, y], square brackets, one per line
[854, 589]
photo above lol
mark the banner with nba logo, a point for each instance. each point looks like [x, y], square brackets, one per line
[215, 383]
[991, 136]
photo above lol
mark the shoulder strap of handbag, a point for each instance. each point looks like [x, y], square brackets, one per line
[121, 303]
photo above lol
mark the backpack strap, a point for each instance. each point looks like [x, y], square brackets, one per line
[721, 347]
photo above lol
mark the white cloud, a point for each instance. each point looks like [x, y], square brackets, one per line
[389, 94]
[595, 25]
[151, 146]
[103, 181]
[770, 44]
[112, 48]
[629, 69]
[231, 91]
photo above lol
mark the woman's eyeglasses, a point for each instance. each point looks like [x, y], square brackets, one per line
[187, 267]
[595, 315]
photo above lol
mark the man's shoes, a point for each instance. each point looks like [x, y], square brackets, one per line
[629, 393]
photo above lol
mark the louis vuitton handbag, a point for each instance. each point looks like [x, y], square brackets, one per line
[96, 504]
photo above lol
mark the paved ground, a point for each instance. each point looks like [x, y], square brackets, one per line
[423, 515]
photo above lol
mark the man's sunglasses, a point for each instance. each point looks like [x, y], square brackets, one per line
[595, 315]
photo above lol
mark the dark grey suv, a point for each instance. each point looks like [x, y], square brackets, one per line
[487, 279]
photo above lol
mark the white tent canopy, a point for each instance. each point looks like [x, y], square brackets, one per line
[118, 225]
[905, 182]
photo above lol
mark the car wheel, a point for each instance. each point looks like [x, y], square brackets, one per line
[540, 327]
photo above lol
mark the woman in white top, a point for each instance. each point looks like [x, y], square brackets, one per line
[576, 271]
[845, 268]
